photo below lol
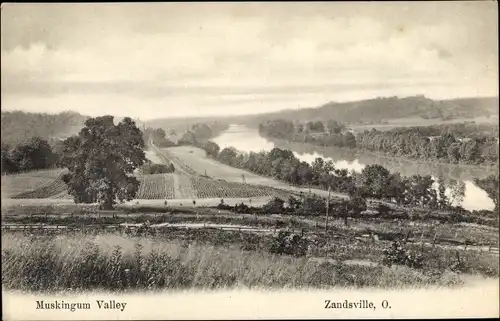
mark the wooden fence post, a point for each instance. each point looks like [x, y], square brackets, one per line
[327, 208]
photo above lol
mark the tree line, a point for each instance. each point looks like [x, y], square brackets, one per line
[411, 142]
[197, 135]
[34, 154]
[374, 181]
[20, 127]
[466, 129]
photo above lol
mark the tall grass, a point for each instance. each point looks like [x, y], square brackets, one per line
[116, 263]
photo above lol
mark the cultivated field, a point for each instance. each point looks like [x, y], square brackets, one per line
[156, 186]
[193, 161]
[196, 159]
[185, 183]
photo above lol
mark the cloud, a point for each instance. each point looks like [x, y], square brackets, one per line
[173, 53]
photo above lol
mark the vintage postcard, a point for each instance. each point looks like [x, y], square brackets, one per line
[252, 160]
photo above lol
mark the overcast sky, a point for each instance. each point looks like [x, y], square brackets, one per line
[191, 59]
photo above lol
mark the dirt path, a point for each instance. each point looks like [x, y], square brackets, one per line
[177, 188]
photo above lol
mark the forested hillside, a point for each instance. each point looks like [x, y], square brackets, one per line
[383, 109]
[20, 127]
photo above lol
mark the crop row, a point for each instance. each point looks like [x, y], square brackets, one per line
[208, 188]
[55, 187]
[26, 182]
[156, 186]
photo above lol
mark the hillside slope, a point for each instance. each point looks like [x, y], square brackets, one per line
[383, 109]
[18, 126]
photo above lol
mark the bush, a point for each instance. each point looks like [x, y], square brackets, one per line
[274, 206]
[289, 244]
[313, 205]
[294, 203]
[151, 168]
[383, 209]
[223, 206]
[241, 208]
[397, 254]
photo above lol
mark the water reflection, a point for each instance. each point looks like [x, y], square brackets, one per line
[248, 139]
[243, 138]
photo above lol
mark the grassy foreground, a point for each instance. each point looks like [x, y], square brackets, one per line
[117, 263]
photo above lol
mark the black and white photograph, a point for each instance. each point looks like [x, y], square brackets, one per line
[227, 160]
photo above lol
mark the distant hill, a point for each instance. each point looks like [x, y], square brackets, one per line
[383, 109]
[18, 126]
[182, 125]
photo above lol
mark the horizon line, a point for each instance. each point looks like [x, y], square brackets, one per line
[256, 114]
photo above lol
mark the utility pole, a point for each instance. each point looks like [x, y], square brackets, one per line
[327, 208]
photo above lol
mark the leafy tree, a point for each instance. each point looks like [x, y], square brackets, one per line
[334, 126]
[8, 165]
[227, 155]
[211, 149]
[457, 191]
[36, 154]
[349, 140]
[353, 207]
[420, 190]
[201, 131]
[101, 160]
[490, 185]
[454, 152]
[189, 138]
[158, 134]
[374, 181]
[443, 199]
[312, 205]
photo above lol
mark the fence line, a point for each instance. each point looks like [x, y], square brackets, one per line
[435, 241]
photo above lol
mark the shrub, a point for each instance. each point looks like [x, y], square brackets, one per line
[241, 208]
[274, 206]
[223, 206]
[151, 168]
[294, 203]
[289, 244]
[313, 205]
[383, 209]
[396, 253]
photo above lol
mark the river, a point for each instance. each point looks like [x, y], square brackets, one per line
[457, 177]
